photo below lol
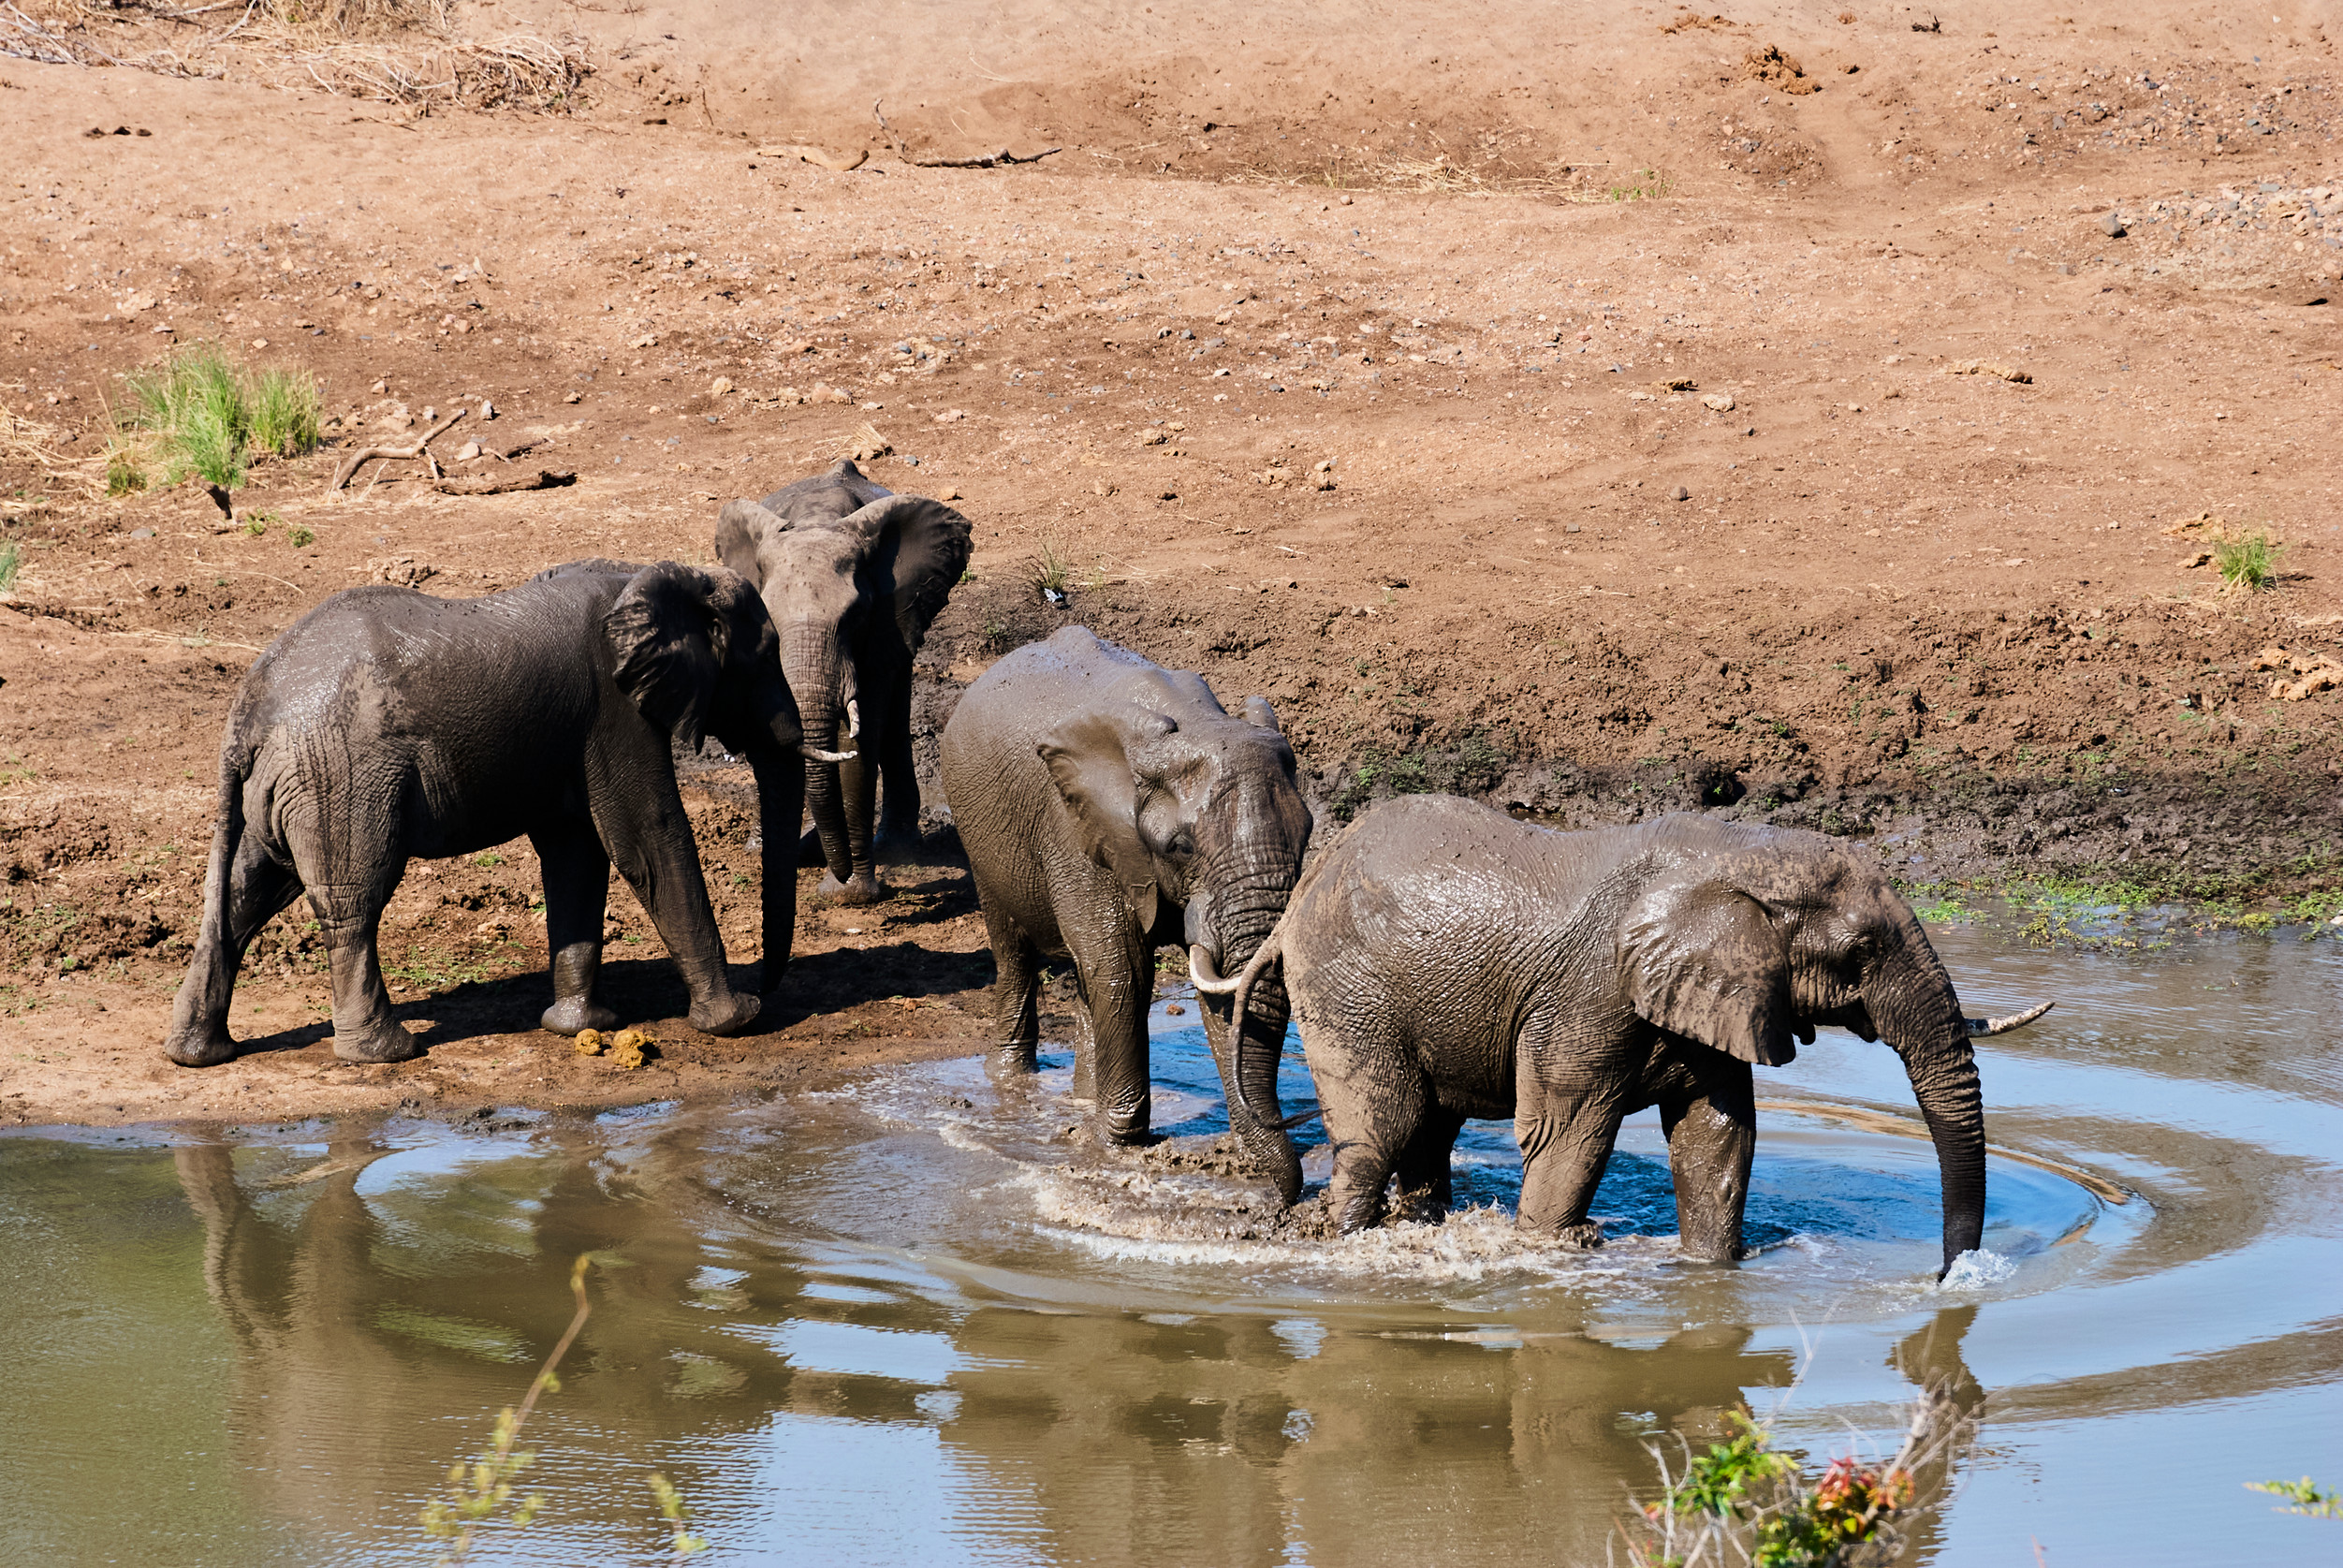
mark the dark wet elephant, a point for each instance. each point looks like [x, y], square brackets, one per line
[852, 575]
[1446, 961]
[386, 724]
[1110, 807]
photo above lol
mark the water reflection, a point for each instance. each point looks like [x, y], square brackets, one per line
[905, 1322]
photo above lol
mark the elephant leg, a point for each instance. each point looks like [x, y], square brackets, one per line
[258, 888]
[1711, 1128]
[365, 1027]
[1016, 992]
[899, 785]
[1376, 1104]
[1117, 982]
[857, 788]
[1566, 1143]
[576, 894]
[1425, 1189]
[643, 827]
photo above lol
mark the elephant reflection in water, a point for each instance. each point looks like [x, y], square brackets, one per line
[1219, 1439]
[1224, 1440]
[370, 1356]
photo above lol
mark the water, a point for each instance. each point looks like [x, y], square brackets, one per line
[912, 1320]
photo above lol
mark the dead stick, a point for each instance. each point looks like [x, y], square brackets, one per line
[990, 160]
[364, 454]
[890, 131]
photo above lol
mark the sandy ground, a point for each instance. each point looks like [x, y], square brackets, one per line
[1590, 414]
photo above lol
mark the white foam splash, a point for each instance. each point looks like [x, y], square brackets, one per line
[1975, 1271]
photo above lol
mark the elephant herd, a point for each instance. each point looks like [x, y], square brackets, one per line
[1443, 961]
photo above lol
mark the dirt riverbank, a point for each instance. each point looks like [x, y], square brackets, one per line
[1619, 425]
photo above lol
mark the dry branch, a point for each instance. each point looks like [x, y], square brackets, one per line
[364, 454]
[489, 484]
[985, 160]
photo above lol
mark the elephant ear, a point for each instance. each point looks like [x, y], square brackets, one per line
[741, 530]
[917, 551]
[1090, 760]
[1701, 958]
[670, 643]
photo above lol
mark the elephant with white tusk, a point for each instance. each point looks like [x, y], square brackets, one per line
[1110, 807]
[1445, 963]
[852, 575]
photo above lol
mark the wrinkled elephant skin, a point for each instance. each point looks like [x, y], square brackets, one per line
[1110, 807]
[1445, 961]
[852, 575]
[387, 724]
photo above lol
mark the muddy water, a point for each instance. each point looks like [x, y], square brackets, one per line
[912, 1320]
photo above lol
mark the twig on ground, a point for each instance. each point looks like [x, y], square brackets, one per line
[985, 160]
[351, 465]
[489, 484]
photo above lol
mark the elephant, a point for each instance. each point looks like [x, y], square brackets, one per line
[387, 724]
[853, 575]
[1445, 961]
[1109, 807]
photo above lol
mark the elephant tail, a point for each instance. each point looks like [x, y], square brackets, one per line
[227, 836]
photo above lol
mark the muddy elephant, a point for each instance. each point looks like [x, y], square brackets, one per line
[387, 724]
[852, 575]
[1110, 807]
[1445, 961]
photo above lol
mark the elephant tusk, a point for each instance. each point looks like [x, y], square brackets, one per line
[854, 720]
[1207, 979]
[1982, 1027]
[820, 755]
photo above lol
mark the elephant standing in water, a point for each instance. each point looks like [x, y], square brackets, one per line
[386, 723]
[853, 575]
[1110, 807]
[1446, 961]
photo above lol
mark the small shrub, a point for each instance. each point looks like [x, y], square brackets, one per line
[300, 536]
[199, 412]
[122, 473]
[1052, 570]
[286, 411]
[10, 559]
[2248, 562]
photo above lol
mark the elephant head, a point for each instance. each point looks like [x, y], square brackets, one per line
[1746, 940]
[695, 651]
[853, 577]
[1201, 823]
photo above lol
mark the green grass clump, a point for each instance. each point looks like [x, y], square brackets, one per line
[1052, 570]
[10, 559]
[2248, 562]
[201, 413]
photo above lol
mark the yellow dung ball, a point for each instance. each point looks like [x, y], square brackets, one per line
[589, 1042]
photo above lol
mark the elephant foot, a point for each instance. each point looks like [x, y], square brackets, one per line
[388, 1042]
[862, 888]
[728, 1014]
[573, 1013]
[1583, 1236]
[1423, 1208]
[201, 1046]
[1020, 1059]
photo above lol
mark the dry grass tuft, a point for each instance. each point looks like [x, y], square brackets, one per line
[29, 443]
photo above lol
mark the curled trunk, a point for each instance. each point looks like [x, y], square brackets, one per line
[1243, 922]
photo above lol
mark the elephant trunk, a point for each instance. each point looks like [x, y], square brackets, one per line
[1251, 1043]
[1921, 1020]
[781, 775]
[818, 677]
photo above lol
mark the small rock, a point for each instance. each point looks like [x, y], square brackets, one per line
[574, 397]
[260, 342]
[1679, 493]
[468, 451]
[951, 416]
[951, 492]
[487, 409]
[2111, 226]
[1569, 528]
[1153, 437]
[719, 387]
[1720, 402]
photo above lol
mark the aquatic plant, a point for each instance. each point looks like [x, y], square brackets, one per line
[1745, 1501]
[2304, 1497]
